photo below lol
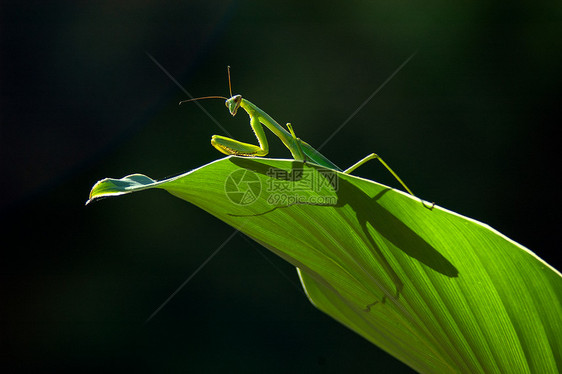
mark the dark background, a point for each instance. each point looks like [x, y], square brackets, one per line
[470, 123]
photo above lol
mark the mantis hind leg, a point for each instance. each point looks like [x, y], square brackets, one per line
[373, 156]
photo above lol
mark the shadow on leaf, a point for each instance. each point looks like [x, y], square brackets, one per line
[367, 211]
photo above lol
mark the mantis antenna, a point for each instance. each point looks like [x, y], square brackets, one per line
[212, 97]
[229, 85]
[203, 98]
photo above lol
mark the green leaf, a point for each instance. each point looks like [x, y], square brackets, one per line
[439, 291]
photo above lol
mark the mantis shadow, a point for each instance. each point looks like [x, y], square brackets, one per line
[368, 213]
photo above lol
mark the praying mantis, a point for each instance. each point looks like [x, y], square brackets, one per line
[301, 150]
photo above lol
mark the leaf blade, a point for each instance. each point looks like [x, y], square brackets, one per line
[441, 292]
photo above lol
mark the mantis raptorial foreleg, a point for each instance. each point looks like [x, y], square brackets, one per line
[230, 146]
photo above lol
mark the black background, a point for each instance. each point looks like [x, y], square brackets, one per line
[470, 123]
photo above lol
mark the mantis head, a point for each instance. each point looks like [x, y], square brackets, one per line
[233, 104]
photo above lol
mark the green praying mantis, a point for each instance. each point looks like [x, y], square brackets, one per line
[301, 150]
